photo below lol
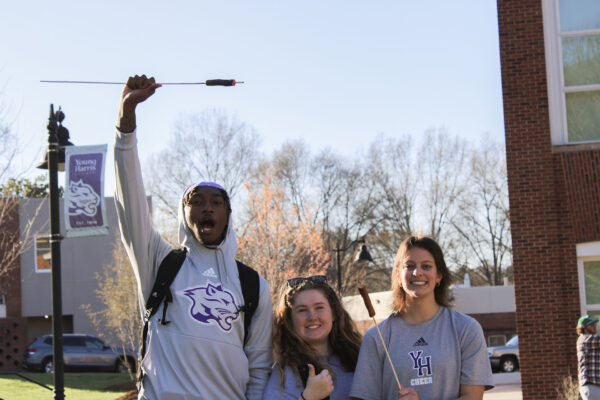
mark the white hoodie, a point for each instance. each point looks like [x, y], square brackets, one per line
[200, 353]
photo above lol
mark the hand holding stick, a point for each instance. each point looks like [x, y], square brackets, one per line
[371, 310]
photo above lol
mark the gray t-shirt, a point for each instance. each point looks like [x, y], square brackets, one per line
[293, 386]
[434, 357]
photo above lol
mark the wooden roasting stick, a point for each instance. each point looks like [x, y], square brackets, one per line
[371, 310]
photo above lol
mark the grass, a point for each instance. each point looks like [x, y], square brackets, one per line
[78, 386]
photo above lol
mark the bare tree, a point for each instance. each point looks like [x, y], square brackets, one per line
[345, 199]
[392, 168]
[442, 159]
[10, 238]
[9, 146]
[119, 320]
[482, 221]
[397, 187]
[291, 164]
[211, 146]
[356, 218]
[15, 235]
[328, 172]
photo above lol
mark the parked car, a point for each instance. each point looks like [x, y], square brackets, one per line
[505, 358]
[80, 352]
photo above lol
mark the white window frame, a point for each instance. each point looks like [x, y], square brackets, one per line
[557, 91]
[35, 256]
[586, 252]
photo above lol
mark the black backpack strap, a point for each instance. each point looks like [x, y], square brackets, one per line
[250, 283]
[167, 271]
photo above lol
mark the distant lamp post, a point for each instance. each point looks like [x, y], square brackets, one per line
[363, 255]
[62, 138]
[54, 160]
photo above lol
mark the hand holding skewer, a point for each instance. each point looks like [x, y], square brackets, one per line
[406, 393]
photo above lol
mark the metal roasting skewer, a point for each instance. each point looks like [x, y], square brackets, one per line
[371, 310]
[210, 82]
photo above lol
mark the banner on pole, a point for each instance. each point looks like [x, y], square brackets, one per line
[85, 214]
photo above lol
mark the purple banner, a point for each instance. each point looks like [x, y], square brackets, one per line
[84, 191]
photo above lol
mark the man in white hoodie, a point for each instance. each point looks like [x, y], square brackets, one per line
[200, 353]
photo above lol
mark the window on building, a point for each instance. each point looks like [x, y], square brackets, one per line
[572, 37]
[43, 259]
[588, 262]
[496, 340]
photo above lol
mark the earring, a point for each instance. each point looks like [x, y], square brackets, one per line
[438, 284]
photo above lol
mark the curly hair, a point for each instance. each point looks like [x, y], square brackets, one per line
[441, 291]
[291, 350]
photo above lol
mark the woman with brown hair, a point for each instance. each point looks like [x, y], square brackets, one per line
[316, 343]
[438, 353]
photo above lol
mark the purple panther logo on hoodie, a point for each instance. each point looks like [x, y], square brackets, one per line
[213, 303]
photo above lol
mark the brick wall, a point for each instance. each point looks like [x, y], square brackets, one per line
[13, 340]
[550, 194]
[581, 171]
[497, 324]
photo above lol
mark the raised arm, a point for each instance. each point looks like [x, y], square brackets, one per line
[136, 90]
[143, 244]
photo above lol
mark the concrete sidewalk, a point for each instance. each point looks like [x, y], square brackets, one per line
[507, 387]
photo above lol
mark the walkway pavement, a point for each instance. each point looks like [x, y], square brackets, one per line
[507, 387]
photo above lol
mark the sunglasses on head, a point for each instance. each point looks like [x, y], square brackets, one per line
[297, 281]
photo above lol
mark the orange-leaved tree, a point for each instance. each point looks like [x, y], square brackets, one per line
[276, 239]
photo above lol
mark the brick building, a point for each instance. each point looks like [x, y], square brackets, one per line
[550, 60]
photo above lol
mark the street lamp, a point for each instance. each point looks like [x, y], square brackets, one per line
[62, 135]
[58, 138]
[364, 255]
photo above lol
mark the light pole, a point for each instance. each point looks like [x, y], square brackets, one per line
[364, 255]
[58, 137]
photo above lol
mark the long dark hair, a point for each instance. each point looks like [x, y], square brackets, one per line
[426, 243]
[291, 350]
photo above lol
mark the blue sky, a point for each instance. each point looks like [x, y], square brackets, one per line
[334, 73]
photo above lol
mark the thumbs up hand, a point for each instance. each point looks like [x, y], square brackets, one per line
[317, 386]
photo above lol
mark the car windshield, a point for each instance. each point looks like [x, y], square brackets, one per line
[513, 342]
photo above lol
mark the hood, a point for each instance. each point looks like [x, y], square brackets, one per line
[224, 252]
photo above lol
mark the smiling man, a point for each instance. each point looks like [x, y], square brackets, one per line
[197, 347]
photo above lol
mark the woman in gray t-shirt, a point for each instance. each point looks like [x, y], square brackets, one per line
[437, 353]
[316, 343]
